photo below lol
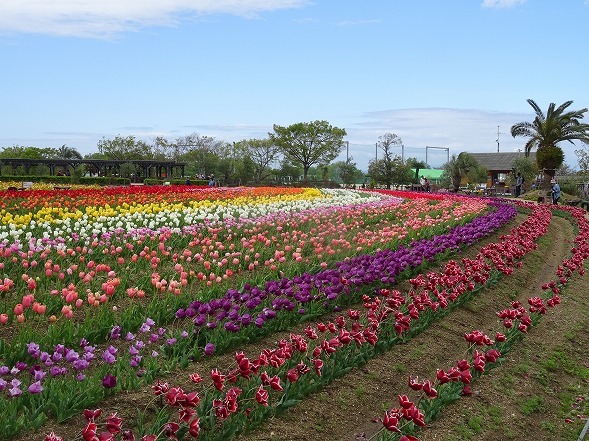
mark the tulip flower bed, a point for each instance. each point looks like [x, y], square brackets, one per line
[104, 291]
[483, 352]
[280, 377]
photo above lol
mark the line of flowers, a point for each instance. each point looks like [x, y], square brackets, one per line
[484, 353]
[177, 347]
[115, 271]
[281, 377]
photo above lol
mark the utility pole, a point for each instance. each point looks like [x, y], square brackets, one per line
[347, 152]
[376, 152]
[497, 141]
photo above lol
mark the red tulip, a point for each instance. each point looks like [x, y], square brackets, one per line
[390, 422]
[262, 396]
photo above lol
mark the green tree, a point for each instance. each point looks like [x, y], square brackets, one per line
[288, 172]
[461, 166]
[202, 153]
[262, 153]
[65, 152]
[124, 148]
[547, 131]
[527, 168]
[18, 151]
[308, 144]
[583, 159]
[347, 172]
[417, 165]
[390, 172]
[244, 170]
[387, 167]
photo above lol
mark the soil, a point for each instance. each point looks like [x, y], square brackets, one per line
[543, 383]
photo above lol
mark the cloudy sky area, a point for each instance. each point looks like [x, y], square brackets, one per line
[441, 73]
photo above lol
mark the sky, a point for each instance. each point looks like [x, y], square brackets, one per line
[450, 74]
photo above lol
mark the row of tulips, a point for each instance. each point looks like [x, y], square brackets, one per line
[484, 353]
[280, 377]
[183, 346]
[71, 280]
[146, 366]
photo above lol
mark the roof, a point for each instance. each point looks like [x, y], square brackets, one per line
[430, 173]
[500, 161]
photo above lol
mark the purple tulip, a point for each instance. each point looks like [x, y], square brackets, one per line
[109, 381]
[35, 388]
[209, 349]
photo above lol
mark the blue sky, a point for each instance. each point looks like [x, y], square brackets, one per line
[443, 73]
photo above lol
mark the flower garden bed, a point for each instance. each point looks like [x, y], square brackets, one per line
[106, 293]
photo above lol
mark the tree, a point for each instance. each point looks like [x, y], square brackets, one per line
[262, 153]
[124, 148]
[18, 151]
[308, 144]
[547, 131]
[347, 172]
[462, 166]
[65, 152]
[287, 172]
[385, 168]
[417, 165]
[390, 172]
[526, 167]
[200, 152]
[583, 159]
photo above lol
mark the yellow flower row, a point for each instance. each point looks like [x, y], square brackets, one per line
[52, 215]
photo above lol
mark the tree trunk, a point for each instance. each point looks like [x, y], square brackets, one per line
[548, 176]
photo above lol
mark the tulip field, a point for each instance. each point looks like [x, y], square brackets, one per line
[222, 308]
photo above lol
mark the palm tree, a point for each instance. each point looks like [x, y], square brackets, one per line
[547, 131]
[65, 152]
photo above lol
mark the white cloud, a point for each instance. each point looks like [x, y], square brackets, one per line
[104, 18]
[502, 3]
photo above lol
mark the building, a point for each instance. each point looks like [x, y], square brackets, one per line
[499, 165]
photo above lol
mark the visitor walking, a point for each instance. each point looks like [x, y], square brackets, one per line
[519, 180]
[555, 191]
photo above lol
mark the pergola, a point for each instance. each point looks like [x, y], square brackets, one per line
[102, 167]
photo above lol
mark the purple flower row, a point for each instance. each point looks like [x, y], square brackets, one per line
[253, 304]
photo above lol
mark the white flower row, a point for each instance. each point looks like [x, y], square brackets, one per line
[39, 234]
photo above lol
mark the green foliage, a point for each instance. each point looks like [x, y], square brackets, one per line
[548, 130]
[527, 168]
[533, 404]
[462, 166]
[18, 151]
[308, 144]
[124, 148]
[347, 172]
[550, 157]
[258, 154]
[391, 172]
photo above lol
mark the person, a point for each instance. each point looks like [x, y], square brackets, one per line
[555, 191]
[426, 184]
[422, 181]
[212, 180]
[519, 180]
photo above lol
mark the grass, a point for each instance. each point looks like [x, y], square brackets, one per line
[532, 405]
